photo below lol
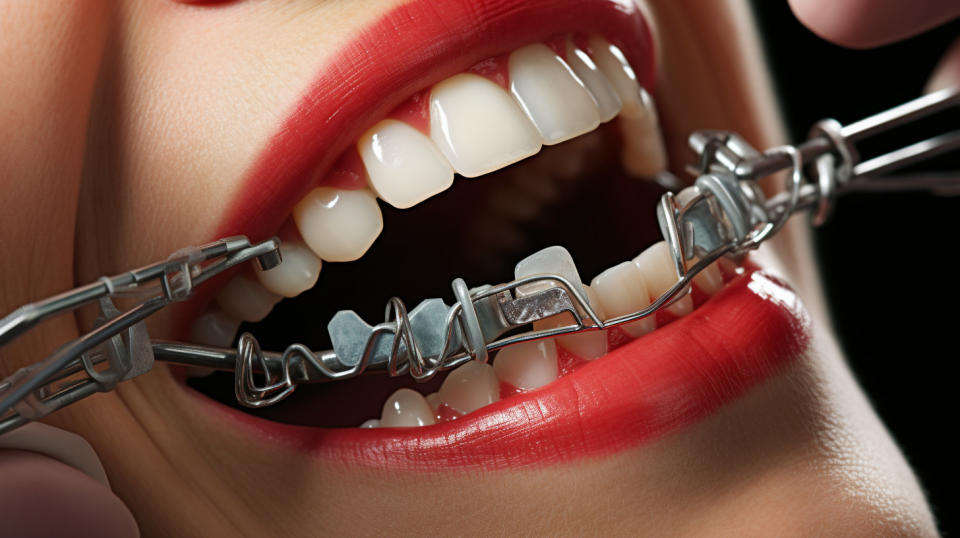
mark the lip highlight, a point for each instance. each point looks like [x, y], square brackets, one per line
[659, 383]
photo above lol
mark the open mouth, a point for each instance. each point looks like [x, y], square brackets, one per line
[555, 142]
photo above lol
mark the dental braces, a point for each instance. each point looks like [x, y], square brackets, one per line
[723, 214]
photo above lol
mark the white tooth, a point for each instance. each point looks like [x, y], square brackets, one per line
[298, 272]
[244, 298]
[608, 102]
[611, 61]
[403, 165]
[529, 365]
[656, 264]
[433, 400]
[588, 345]
[622, 290]
[214, 328]
[554, 99]
[371, 423]
[470, 387]
[643, 152]
[339, 225]
[478, 126]
[551, 260]
[709, 281]
[406, 408]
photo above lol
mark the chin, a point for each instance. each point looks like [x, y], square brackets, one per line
[466, 139]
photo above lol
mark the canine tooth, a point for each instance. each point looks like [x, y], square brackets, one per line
[554, 99]
[587, 345]
[528, 365]
[339, 225]
[371, 423]
[298, 272]
[608, 102]
[214, 328]
[478, 127]
[554, 260]
[244, 298]
[611, 61]
[403, 165]
[470, 387]
[622, 290]
[643, 153]
[406, 408]
[656, 264]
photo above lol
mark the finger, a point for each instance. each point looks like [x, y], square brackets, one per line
[870, 23]
[41, 496]
[947, 72]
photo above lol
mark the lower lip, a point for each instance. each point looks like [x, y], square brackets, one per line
[660, 383]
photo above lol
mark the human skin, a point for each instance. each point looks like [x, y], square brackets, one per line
[106, 165]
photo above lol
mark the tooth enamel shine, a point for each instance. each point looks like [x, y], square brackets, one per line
[608, 102]
[622, 290]
[403, 165]
[554, 99]
[478, 126]
[406, 408]
[528, 365]
[298, 272]
[339, 225]
[470, 387]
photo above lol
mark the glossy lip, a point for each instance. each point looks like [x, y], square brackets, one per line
[657, 384]
[387, 64]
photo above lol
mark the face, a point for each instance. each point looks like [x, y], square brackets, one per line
[340, 127]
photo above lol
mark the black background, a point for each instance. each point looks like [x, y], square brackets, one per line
[888, 261]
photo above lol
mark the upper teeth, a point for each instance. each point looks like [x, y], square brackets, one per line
[475, 126]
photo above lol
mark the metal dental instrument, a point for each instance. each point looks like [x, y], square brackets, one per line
[724, 213]
[119, 339]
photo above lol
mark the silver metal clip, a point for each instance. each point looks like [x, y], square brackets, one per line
[119, 339]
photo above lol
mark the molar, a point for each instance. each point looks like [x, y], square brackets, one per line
[406, 408]
[403, 165]
[244, 298]
[478, 126]
[554, 99]
[298, 272]
[528, 365]
[470, 387]
[608, 102]
[339, 225]
[622, 290]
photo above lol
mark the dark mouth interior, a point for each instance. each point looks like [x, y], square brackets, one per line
[601, 215]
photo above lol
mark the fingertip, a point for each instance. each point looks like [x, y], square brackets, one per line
[863, 24]
[40, 496]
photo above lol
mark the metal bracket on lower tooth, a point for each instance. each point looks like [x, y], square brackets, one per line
[428, 321]
[541, 305]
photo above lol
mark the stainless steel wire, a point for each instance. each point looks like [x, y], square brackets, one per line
[724, 213]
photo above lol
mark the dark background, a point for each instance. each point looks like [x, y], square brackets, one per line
[887, 260]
